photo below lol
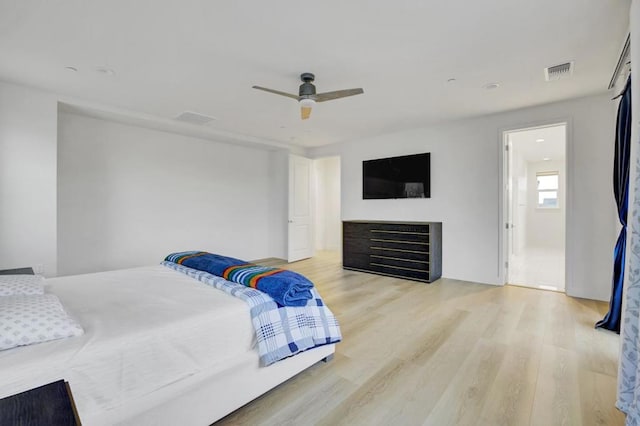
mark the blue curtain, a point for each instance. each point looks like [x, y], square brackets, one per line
[611, 321]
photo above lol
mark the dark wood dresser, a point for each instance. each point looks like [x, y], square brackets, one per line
[411, 250]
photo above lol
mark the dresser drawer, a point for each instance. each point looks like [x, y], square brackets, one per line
[399, 253]
[418, 265]
[356, 230]
[399, 245]
[356, 245]
[417, 237]
[355, 260]
[401, 227]
[399, 272]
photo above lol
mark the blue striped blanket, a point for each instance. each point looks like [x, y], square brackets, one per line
[288, 288]
[281, 331]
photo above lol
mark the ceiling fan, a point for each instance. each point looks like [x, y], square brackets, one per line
[307, 96]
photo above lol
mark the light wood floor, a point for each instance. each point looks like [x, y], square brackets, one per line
[448, 353]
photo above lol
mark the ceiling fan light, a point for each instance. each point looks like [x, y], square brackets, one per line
[307, 103]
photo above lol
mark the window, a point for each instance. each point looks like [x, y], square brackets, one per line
[547, 190]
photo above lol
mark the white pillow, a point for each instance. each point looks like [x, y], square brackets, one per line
[21, 284]
[29, 319]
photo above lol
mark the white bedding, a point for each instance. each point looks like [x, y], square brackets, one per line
[145, 328]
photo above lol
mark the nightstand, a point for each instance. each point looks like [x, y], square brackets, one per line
[48, 405]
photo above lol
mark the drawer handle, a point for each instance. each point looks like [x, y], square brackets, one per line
[400, 241]
[400, 259]
[399, 267]
[399, 232]
[400, 250]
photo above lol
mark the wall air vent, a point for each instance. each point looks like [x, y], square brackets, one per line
[194, 118]
[557, 72]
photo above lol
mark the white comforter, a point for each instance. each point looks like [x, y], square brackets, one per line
[145, 328]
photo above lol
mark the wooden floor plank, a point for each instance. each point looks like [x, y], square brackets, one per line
[557, 397]
[511, 395]
[448, 353]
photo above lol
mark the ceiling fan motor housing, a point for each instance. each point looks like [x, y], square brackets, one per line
[307, 77]
[307, 88]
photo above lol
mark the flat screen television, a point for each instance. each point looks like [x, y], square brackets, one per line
[408, 176]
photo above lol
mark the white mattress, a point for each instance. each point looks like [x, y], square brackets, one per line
[145, 329]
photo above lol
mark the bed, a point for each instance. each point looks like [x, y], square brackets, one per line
[159, 348]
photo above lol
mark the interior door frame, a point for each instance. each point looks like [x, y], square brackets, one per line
[508, 202]
[503, 211]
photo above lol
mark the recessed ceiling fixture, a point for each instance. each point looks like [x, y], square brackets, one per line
[194, 118]
[491, 86]
[106, 71]
[540, 140]
[546, 159]
[74, 69]
[307, 96]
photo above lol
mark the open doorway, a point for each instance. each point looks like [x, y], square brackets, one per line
[535, 194]
[328, 224]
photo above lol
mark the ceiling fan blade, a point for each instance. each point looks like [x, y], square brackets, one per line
[329, 96]
[277, 92]
[305, 112]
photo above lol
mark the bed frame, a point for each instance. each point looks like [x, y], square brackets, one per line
[210, 399]
[205, 399]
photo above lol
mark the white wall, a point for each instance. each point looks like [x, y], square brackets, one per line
[466, 194]
[27, 178]
[94, 194]
[545, 227]
[328, 225]
[127, 196]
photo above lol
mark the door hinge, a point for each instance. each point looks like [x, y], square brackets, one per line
[506, 147]
[506, 265]
[506, 226]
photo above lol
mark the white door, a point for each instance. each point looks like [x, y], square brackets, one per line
[300, 223]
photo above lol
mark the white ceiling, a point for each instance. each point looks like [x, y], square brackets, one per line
[535, 145]
[175, 55]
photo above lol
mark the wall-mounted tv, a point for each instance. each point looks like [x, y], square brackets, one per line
[408, 176]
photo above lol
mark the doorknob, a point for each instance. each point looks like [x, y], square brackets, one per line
[290, 221]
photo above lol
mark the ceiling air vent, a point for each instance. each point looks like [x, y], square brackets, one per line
[557, 72]
[194, 118]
